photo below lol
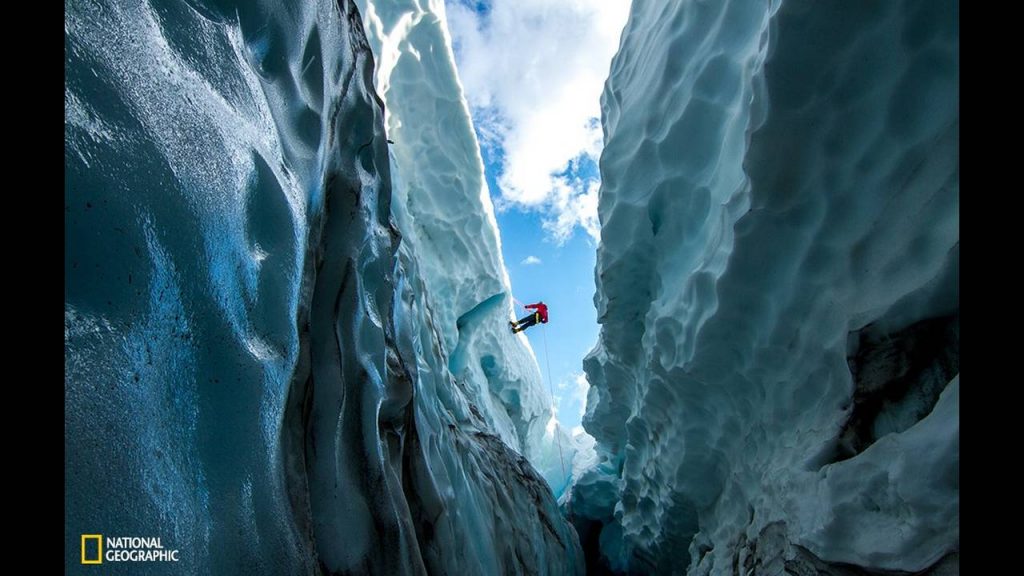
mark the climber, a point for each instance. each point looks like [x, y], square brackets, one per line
[541, 315]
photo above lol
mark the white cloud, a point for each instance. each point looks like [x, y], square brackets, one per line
[575, 391]
[530, 261]
[573, 208]
[580, 392]
[533, 72]
[552, 422]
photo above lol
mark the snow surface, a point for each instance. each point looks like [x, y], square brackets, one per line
[272, 363]
[777, 288]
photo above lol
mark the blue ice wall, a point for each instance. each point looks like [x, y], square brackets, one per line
[776, 385]
[251, 372]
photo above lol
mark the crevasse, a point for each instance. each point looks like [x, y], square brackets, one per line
[278, 360]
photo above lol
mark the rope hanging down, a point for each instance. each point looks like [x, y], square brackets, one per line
[558, 439]
[547, 360]
[551, 388]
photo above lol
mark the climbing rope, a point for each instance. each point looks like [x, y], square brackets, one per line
[547, 360]
[558, 439]
[551, 388]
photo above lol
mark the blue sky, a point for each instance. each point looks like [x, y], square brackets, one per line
[532, 72]
[563, 277]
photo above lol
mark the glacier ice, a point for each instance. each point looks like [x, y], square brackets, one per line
[285, 340]
[776, 384]
[441, 195]
[273, 361]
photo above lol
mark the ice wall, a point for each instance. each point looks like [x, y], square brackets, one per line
[259, 361]
[776, 382]
[444, 207]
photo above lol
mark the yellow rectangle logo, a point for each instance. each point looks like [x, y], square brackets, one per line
[99, 549]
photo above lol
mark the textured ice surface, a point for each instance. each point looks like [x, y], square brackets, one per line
[777, 288]
[264, 367]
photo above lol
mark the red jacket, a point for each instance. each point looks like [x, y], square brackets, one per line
[541, 309]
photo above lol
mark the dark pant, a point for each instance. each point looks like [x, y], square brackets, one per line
[526, 322]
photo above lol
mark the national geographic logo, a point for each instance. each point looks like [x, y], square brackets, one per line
[96, 549]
